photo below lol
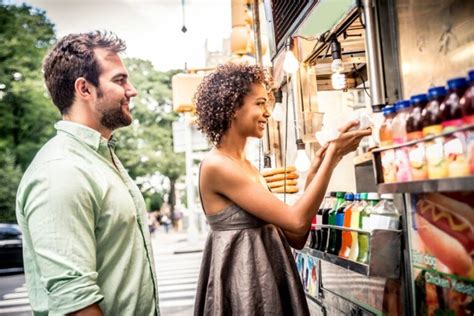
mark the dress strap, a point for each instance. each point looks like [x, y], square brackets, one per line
[199, 188]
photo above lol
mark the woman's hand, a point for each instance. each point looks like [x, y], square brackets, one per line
[316, 163]
[347, 141]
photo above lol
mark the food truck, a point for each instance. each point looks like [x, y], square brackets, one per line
[395, 234]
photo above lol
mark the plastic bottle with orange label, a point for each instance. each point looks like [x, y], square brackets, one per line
[399, 135]
[386, 140]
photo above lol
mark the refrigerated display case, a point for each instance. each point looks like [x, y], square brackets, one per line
[411, 46]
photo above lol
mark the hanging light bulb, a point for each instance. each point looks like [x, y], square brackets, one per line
[338, 79]
[336, 65]
[302, 162]
[278, 113]
[290, 64]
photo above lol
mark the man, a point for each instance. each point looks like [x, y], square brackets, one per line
[87, 248]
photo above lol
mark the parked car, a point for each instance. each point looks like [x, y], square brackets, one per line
[11, 248]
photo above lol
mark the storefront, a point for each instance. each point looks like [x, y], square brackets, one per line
[359, 57]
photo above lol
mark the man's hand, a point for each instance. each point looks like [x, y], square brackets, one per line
[91, 310]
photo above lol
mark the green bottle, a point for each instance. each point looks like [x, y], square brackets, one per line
[364, 223]
[332, 244]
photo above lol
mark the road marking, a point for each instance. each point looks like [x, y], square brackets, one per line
[177, 287]
[15, 295]
[18, 309]
[177, 303]
[178, 281]
[179, 294]
[18, 301]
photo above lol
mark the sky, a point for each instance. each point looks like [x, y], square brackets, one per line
[151, 28]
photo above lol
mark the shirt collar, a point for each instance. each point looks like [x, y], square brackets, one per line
[85, 134]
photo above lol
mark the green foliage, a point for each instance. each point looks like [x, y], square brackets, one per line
[146, 148]
[26, 113]
[9, 178]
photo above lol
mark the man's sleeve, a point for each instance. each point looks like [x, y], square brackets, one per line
[60, 208]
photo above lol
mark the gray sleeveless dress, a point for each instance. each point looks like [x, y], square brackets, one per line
[247, 269]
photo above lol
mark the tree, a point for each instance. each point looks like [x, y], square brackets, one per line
[26, 113]
[146, 148]
[9, 178]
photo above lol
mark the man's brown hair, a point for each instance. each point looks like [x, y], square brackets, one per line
[73, 57]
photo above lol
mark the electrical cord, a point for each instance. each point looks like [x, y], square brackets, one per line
[286, 138]
[361, 78]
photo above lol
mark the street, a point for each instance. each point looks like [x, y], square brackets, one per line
[177, 266]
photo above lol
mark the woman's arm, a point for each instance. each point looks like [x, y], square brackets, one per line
[229, 180]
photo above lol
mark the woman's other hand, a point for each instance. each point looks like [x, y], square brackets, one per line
[348, 141]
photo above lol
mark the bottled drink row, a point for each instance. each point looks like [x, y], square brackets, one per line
[366, 211]
[440, 110]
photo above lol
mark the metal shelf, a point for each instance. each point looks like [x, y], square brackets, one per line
[384, 254]
[345, 263]
[425, 186]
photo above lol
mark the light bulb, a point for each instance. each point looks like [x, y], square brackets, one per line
[277, 113]
[290, 64]
[338, 81]
[302, 162]
[336, 65]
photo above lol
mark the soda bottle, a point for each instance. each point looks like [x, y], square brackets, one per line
[346, 238]
[467, 107]
[385, 214]
[431, 114]
[450, 108]
[312, 234]
[319, 221]
[454, 145]
[467, 101]
[416, 152]
[332, 244]
[364, 222]
[414, 124]
[385, 131]
[325, 221]
[348, 199]
[431, 119]
[399, 132]
[355, 223]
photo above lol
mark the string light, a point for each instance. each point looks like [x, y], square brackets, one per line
[338, 79]
[290, 64]
[278, 113]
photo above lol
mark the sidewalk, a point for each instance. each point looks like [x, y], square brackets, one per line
[176, 242]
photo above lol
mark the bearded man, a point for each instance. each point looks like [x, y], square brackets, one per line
[87, 248]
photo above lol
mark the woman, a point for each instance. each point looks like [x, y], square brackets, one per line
[247, 267]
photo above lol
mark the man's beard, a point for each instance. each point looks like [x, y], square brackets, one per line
[113, 118]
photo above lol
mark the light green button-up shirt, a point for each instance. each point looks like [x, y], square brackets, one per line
[85, 230]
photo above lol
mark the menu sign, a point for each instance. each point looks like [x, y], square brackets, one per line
[442, 249]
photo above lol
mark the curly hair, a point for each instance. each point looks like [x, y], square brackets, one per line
[221, 93]
[73, 57]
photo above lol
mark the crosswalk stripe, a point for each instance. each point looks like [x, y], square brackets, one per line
[20, 289]
[17, 301]
[178, 272]
[178, 265]
[17, 309]
[180, 294]
[177, 287]
[181, 275]
[177, 303]
[178, 281]
[15, 295]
